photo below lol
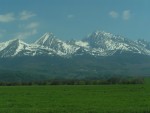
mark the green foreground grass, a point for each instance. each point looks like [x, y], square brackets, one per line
[76, 99]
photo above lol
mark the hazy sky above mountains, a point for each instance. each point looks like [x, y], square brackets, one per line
[73, 19]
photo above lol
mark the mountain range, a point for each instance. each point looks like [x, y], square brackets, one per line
[96, 56]
[98, 43]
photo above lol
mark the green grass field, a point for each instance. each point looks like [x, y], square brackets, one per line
[75, 99]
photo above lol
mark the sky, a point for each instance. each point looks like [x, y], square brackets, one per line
[73, 19]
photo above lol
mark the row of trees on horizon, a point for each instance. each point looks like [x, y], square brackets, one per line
[109, 81]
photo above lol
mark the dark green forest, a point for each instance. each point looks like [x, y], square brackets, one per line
[44, 68]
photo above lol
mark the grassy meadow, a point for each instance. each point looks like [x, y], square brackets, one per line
[76, 99]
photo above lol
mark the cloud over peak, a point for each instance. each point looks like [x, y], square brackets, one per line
[25, 34]
[10, 17]
[126, 14]
[113, 14]
[32, 25]
[25, 15]
[26, 28]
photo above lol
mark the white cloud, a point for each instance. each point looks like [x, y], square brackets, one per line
[32, 25]
[126, 15]
[34, 31]
[9, 17]
[113, 14]
[25, 15]
[27, 34]
[70, 16]
[29, 30]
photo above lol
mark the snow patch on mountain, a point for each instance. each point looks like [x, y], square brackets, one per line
[82, 44]
[96, 44]
[20, 47]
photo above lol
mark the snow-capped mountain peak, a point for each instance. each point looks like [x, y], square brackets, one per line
[143, 43]
[46, 39]
[108, 44]
[12, 47]
[103, 33]
[51, 43]
[98, 43]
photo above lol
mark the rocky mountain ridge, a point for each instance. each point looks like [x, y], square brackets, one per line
[98, 43]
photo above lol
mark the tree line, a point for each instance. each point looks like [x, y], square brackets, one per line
[109, 81]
